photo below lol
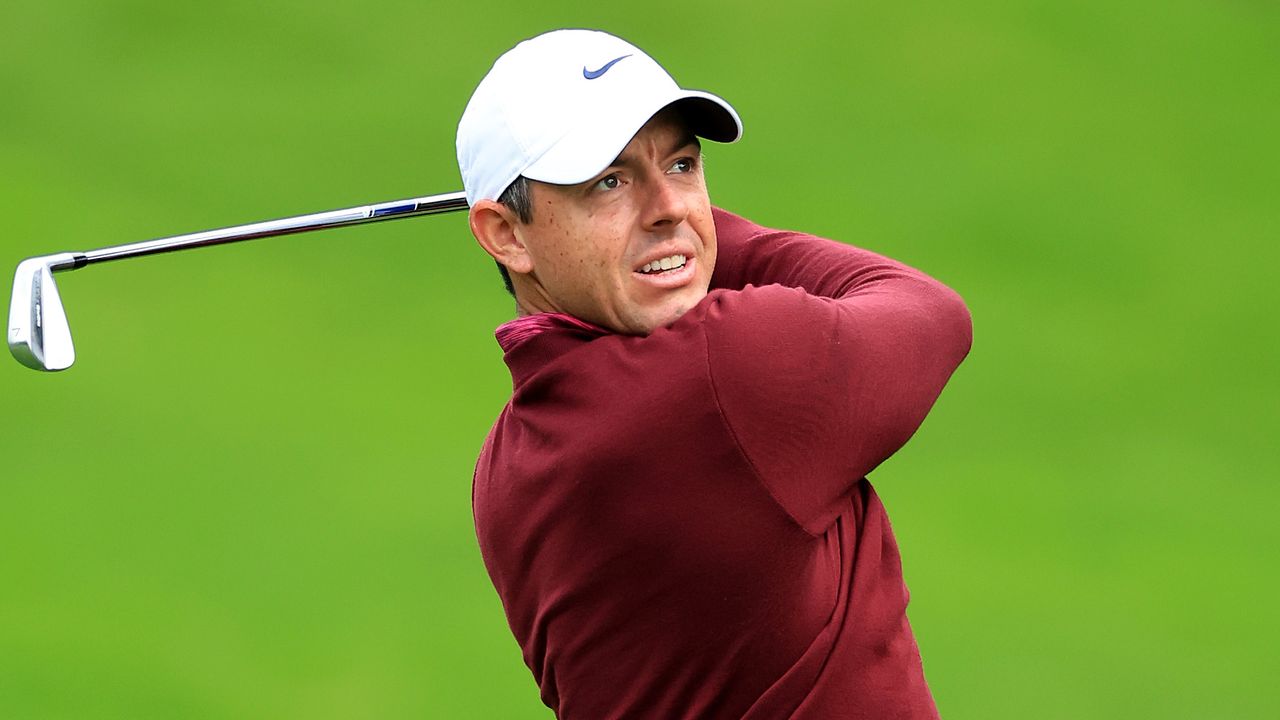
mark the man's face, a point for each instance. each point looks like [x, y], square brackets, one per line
[633, 248]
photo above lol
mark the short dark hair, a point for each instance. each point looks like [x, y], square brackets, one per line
[519, 199]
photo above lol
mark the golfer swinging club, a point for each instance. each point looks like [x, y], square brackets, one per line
[673, 505]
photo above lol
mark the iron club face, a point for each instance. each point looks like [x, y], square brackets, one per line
[39, 336]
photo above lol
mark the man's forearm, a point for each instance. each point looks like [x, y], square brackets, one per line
[751, 255]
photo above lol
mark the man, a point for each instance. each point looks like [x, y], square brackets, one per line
[672, 507]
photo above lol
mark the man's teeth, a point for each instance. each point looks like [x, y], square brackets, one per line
[670, 262]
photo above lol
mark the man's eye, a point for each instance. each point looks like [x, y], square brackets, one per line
[609, 182]
[683, 165]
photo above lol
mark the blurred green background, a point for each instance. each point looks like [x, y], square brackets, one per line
[250, 498]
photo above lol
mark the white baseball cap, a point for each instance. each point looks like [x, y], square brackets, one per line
[561, 107]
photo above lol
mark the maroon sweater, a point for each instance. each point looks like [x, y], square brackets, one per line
[679, 526]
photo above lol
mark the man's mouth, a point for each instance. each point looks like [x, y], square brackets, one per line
[661, 265]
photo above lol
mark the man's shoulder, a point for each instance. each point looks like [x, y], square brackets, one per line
[644, 379]
[761, 330]
[733, 230]
[730, 222]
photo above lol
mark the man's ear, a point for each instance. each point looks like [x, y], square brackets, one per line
[496, 229]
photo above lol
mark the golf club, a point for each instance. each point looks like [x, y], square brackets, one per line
[39, 336]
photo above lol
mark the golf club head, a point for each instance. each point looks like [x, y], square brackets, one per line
[39, 336]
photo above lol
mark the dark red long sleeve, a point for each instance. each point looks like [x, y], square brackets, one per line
[833, 371]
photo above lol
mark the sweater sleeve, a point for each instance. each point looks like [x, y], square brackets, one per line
[826, 361]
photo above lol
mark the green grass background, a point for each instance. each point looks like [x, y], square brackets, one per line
[250, 496]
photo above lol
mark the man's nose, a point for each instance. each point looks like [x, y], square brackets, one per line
[666, 205]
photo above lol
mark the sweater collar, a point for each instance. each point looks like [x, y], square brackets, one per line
[531, 341]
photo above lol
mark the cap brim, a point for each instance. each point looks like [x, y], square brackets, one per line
[592, 146]
[712, 117]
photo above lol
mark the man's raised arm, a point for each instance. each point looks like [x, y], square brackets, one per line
[825, 359]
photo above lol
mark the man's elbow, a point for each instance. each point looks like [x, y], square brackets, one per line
[922, 373]
[956, 326]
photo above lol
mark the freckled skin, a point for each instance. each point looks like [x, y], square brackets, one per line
[586, 243]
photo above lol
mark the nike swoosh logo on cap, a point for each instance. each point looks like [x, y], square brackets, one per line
[593, 74]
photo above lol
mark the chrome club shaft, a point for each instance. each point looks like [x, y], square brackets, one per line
[39, 336]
